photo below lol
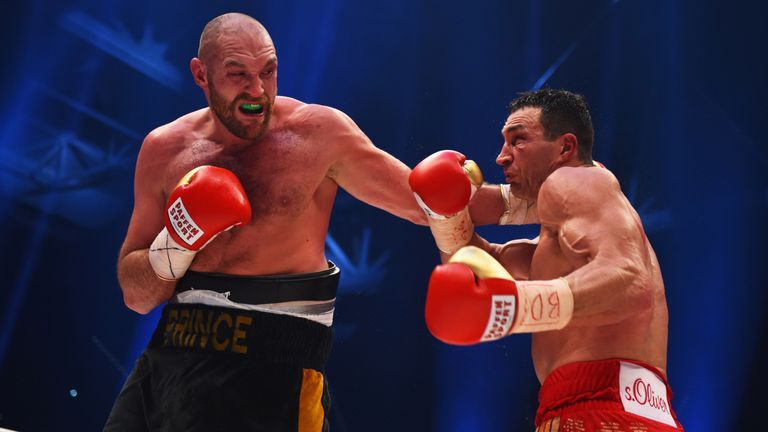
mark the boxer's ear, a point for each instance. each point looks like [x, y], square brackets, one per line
[198, 72]
[569, 145]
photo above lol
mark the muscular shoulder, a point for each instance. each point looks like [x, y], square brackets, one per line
[163, 144]
[171, 136]
[573, 191]
[314, 118]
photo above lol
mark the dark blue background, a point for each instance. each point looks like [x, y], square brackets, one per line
[677, 95]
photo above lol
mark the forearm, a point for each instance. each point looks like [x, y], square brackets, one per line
[608, 291]
[414, 213]
[404, 203]
[142, 289]
[396, 195]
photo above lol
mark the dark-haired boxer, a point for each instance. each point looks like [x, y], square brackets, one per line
[232, 206]
[590, 290]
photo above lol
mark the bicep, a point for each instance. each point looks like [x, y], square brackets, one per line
[487, 205]
[599, 233]
[371, 175]
[517, 255]
[595, 226]
[606, 250]
[374, 176]
[147, 216]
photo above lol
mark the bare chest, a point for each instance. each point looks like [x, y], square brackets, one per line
[280, 173]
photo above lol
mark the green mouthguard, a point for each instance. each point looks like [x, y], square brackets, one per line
[251, 107]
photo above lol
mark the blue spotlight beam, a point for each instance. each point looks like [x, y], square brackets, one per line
[110, 356]
[552, 69]
[85, 109]
[146, 56]
[568, 51]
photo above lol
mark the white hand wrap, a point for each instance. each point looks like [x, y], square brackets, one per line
[517, 211]
[544, 305]
[451, 233]
[169, 260]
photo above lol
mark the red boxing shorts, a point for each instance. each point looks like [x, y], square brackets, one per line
[606, 395]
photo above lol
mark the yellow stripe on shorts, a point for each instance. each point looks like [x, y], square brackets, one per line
[311, 412]
[551, 425]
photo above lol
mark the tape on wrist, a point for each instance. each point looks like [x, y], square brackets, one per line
[452, 233]
[168, 259]
[430, 213]
[543, 306]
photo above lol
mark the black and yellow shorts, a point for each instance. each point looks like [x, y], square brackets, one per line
[219, 369]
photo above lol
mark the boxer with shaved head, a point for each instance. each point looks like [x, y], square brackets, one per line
[232, 206]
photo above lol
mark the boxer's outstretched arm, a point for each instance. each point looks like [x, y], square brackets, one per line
[595, 223]
[369, 173]
[142, 289]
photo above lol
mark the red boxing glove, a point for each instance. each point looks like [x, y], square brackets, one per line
[474, 299]
[206, 201]
[443, 184]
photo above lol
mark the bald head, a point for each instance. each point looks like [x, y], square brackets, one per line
[230, 23]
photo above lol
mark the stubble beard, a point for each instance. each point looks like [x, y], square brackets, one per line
[225, 112]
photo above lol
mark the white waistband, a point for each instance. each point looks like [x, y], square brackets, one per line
[321, 312]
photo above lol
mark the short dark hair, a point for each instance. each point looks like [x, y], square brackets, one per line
[561, 112]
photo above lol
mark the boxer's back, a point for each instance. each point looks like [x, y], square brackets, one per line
[284, 176]
[642, 336]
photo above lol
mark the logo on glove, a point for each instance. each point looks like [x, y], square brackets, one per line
[182, 223]
[501, 319]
